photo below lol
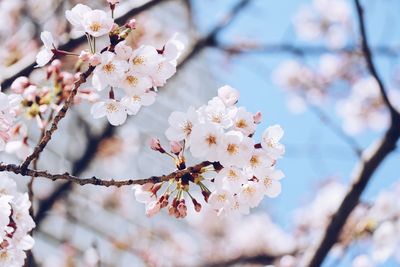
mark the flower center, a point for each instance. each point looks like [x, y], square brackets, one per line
[232, 149]
[232, 175]
[187, 127]
[111, 107]
[132, 80]
[221, 198]
[241, 124]
[249, 190]
[136, 98]
[211, 140]
[267, 182]
[254, 161]
[95, 26]
[109, 68]
[138, 60]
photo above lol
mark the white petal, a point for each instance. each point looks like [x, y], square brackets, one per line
[43, 57]
[47, 40]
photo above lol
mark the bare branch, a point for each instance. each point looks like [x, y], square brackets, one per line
[264, 259]
[368, 58]
[366, 168]
[60, 115]
[196, 169]
[209, 39]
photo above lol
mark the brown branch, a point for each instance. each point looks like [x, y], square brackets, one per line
[60, 115]
[196, 169]
[210, 39]
[368, 58]
[264, 259]
[366, 168]
[73, 43]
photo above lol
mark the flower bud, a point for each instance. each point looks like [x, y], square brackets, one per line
[257, 117]
[155, 145]
[85, 55]
[176, 147]
[20, 84]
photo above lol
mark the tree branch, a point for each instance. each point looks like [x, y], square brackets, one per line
[264, 259]
[60, 115]
[196, 169]
[366, 168]
[368, 58]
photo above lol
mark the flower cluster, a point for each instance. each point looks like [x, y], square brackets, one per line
[219, 134]
[15, 224]
[138, 73]
[364, 108]
[327, 20]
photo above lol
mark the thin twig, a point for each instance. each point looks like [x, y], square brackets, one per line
[368, 57]
[60, 115]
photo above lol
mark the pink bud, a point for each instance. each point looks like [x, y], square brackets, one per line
[175, 147]
[147, 186]
[95, 60]
[152, 208]
[85, 55]
[257, 117]
[155, 144]
[56, 64]
[20, 84]
[131, 24]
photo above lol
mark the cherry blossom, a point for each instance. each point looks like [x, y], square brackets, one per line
[205, 140]
[97, 23]
[228, 95]
[109, 71]
[270, 141]
[115, 111]
[47, 52]
[15, 224]
[241, 172]
[134, 101]
[181, 124]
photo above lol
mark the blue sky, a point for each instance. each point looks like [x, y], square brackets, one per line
[314, 153]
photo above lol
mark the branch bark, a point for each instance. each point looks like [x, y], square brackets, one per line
[368, 165]
[60, 115]
[196, 169]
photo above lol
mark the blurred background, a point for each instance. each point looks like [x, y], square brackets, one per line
[299, 62]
